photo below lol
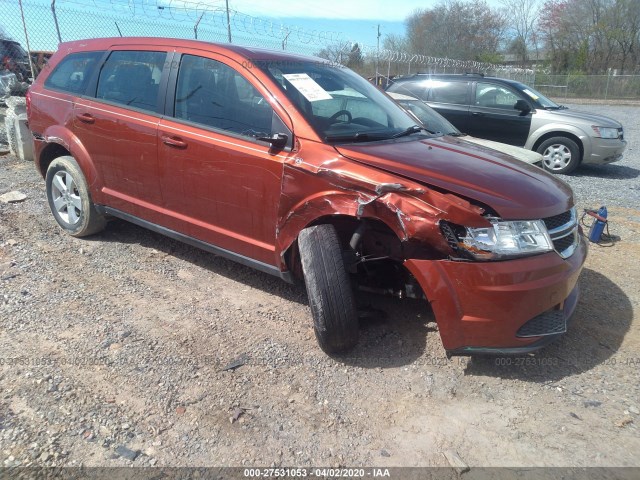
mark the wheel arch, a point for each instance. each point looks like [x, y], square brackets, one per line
[49, 153]
[58, 141]
[571, 136]
[345, 226]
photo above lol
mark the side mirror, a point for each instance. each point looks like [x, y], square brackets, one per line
[523, 106]
[277, 140]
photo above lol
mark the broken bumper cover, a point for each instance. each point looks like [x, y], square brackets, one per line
[508, 307]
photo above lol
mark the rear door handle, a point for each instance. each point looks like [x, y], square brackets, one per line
[477, 114]
[86, 118]
[175, 142]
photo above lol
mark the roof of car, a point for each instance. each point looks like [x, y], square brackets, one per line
[452, 76]
[252, 53]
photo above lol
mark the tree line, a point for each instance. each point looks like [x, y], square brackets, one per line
[565, 36]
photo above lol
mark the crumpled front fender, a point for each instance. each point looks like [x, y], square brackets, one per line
[340, 186]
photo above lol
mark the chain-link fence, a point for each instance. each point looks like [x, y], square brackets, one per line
[46, 22]
[588, 86]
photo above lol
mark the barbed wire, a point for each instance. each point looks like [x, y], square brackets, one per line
[208, 20]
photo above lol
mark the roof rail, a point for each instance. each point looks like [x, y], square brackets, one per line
[475, 74]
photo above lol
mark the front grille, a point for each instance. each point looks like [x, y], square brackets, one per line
[557, 220]
[551, 322]
[564, 243]
[563, 230]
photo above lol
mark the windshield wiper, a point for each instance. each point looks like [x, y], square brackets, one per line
[355, 137]
[408, 131]
[456, 134]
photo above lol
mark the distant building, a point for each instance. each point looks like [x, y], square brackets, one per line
[534, 59]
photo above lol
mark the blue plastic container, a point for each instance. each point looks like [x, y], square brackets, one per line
[597, 227]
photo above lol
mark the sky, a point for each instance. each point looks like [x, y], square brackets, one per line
[334, 9]
[346, 20]
[356, 19]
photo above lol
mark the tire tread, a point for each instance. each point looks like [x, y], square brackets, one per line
[329, 289]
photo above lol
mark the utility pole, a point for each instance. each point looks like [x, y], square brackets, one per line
[228, 22]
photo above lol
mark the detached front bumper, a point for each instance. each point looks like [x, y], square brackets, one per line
[482, 307]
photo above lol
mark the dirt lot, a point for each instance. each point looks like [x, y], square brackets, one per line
[112, 352]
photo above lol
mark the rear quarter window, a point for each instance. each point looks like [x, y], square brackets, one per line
[73, 72]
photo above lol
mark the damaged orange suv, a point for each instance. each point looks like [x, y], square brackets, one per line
[302, 169]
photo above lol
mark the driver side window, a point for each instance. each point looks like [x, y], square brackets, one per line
[214, 95]
[494, 96]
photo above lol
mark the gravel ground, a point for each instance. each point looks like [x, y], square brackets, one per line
[615, 184]
[113, 353]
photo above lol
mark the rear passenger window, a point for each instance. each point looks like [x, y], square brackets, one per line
[73, 72]
[132, 78]
[449, 92]
[214, 95]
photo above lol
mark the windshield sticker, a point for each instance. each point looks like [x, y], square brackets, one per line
[531, 94]
[307, 86]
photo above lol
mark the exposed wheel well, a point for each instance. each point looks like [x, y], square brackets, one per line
[568, 135]
[48, 154]
[377, 240]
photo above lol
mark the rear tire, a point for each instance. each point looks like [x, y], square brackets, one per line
[69, 199]
[333, 307]
[559, 155]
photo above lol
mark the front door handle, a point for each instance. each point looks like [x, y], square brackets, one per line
[175, 142]
[86, 118]
[477, 114]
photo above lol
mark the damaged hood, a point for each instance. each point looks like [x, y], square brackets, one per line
[515, 190]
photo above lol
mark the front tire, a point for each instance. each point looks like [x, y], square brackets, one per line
[559, 155]
[333, 307]
[69, 199]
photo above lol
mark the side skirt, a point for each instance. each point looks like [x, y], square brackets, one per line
[249, 262]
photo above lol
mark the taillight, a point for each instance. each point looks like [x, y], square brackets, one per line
[28, 103]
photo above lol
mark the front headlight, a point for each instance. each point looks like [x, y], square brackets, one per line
[605, 132]
[506, 239]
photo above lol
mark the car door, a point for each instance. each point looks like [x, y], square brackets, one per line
[220, 184]
[117, 124]
[493, 116]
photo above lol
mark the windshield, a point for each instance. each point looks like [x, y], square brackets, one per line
[340, 105]
[539, 99]
[432, 120]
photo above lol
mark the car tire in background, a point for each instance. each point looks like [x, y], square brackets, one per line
[69, 199]
[333, 307]
[559, 155]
